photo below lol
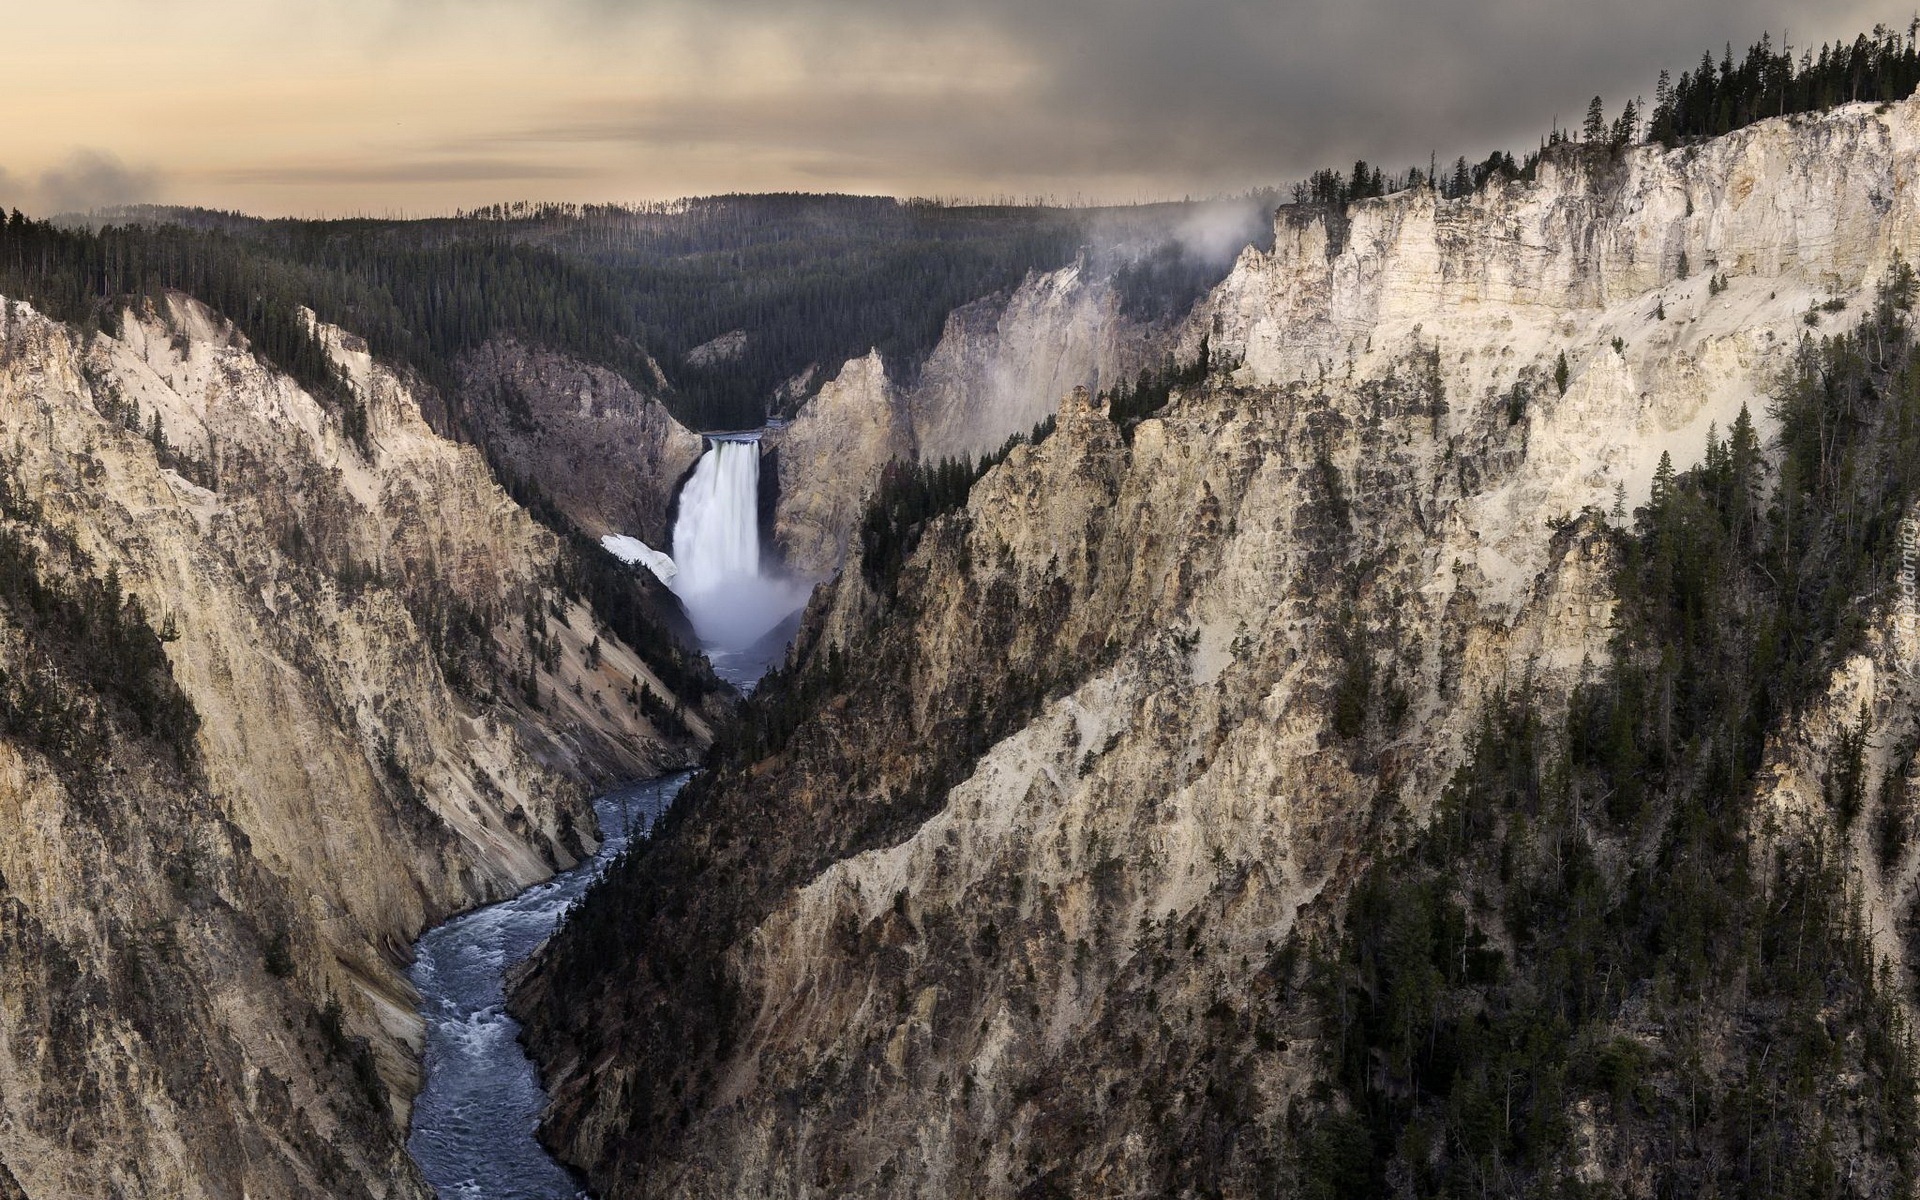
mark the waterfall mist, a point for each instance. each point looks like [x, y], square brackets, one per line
[734, 606]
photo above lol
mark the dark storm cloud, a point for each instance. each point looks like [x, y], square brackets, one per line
[1218, 90]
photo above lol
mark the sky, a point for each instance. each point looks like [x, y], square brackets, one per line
[414, 107]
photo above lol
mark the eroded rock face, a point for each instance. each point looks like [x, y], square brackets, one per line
[1806, 206]
[204, 992]
[828, 460]
[1001, 367]
[608, 456]
[725, 348]
[1001, 917]
[1610, 261]
[1142, 641]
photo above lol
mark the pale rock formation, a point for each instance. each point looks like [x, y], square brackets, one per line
[1010, 986]
[1001, 366]
[828, 460]
[1492, 288]
[173, 943]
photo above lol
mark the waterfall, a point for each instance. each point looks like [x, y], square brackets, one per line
[717, 538]
[716, 546]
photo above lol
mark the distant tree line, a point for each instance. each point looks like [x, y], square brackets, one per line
[1331, 188]
[87, 278]
[814, 280]
[1709, 101]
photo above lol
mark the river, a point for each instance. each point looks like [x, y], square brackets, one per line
[474, 1119]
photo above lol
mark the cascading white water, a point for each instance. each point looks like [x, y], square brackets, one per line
[717, 537]
[716, 546]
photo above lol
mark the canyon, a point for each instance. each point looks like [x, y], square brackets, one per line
[205, 992]
[1019, 903]
[1032, 868]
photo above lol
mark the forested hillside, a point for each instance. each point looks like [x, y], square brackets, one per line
[802, 281]
[1612, 880]
[810, 280]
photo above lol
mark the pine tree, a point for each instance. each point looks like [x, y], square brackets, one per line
[1662, 127]
[1743, 468]
[1662, 480]
[1560, 373]
[1626, 129]
[1595, 129]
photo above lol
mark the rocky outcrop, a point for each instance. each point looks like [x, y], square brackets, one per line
[1001, 367]
[608, 456]
[1003, 364]
[725, 348]
[1009, 913]
[1806, 205]
[828, 459]
[397, 708]
[1665, 278]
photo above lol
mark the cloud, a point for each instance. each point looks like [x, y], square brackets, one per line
[1215, 232]
[85, 179]
[361, 104]
[94, 179]
[1219, 93]
[400, 171]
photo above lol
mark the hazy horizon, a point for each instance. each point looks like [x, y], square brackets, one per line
[390, 109]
